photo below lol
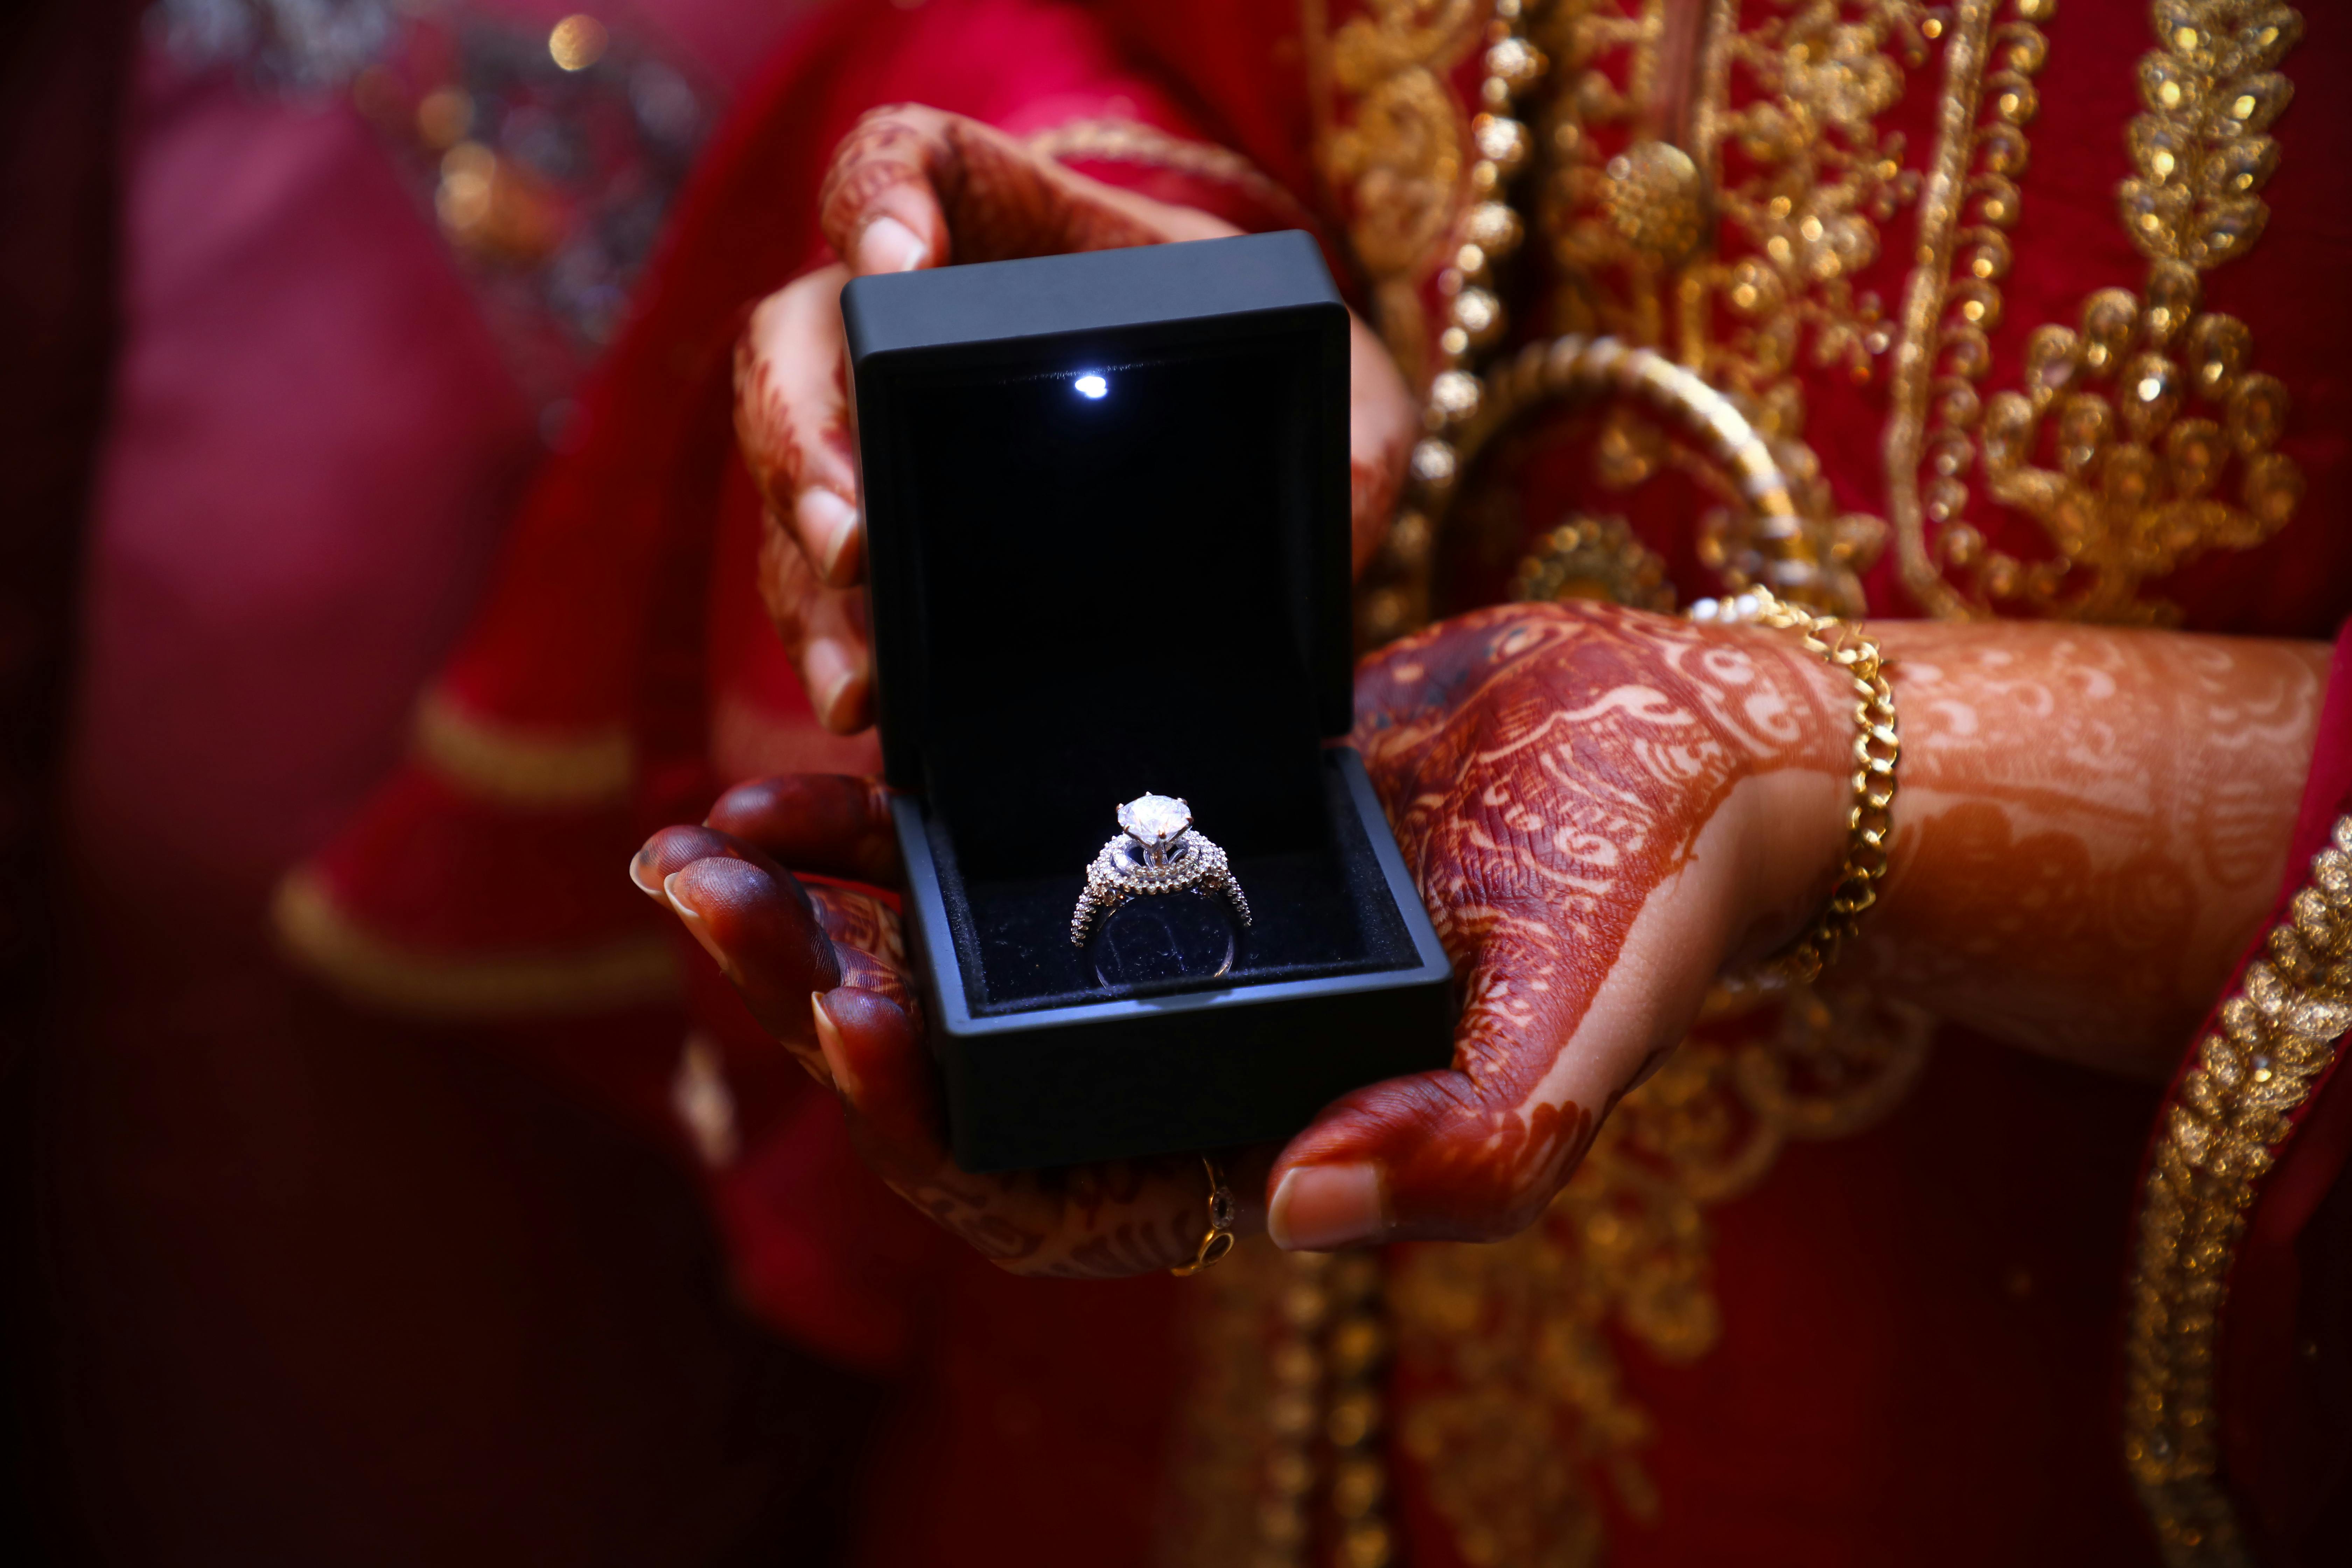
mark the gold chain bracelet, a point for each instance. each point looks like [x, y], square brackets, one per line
[1876, 749]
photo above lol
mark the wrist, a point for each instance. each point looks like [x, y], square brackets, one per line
[1796, 803]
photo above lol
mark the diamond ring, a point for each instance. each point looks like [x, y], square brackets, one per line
[1159, 852]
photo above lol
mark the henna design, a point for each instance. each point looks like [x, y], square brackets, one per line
[964, 192]
[790, 442]
[1548, 769]
[998, 199]
[2092, 822]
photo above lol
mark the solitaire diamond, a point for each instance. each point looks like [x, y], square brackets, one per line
[1155, 819]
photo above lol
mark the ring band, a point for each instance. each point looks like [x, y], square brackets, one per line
[1219, 1239]
[1159, 852]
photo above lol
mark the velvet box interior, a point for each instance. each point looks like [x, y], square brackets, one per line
[1106, 512]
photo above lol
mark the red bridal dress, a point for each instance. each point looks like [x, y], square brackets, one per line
[318, 1284]
[2016, 308]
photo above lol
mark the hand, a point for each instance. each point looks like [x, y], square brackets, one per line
[1582, 792]
[822, 969]
[912, 187]
[1603, 809]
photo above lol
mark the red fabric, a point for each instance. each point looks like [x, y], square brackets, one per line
[1919, 1323]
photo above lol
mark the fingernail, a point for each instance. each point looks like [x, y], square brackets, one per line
[1318, 1207]
[889, 246]
[694, 922]
[831, 668]
[830, 525]
[828, 1042]
[641, 872]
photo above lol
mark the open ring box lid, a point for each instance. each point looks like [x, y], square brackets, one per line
[1106, 507]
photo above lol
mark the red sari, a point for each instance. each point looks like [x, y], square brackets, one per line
[1902, 1342]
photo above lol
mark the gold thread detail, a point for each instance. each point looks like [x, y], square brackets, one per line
[2222, 1127]
[1112, 140]
[1593, 558]
[2132, 427]
[543, 769]
[1521, 1419]
[318, 933]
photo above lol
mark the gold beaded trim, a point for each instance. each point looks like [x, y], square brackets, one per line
[2275, 1038]
[1876, 749]
[1330, 1359]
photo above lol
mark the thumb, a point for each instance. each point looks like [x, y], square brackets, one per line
[1552, 1034]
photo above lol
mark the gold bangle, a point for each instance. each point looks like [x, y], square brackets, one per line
[1218, 1240]
[1876, 749]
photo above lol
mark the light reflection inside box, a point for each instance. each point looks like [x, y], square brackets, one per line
[1092, 386]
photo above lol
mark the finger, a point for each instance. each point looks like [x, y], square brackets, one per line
[792, 422]
[912, 187]
[873, 1043]
[1381, 428]
[824, 632]
[879, 206]
[676, 848]
[1472, 1153]
[829, 823]
[1025, 1222]
[762, 932]
[1559, 1020]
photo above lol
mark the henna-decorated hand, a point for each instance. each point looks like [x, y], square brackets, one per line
[1583, 793]
[822, 970]
[912, 187]
[1602, 810]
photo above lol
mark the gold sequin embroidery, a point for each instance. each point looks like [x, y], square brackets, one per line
[1527, 1417]
[2140, 438]
[2276, 1039]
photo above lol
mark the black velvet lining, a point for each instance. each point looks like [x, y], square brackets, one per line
[1323, 908]
[1113, 594]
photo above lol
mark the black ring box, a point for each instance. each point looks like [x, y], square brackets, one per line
[1107, 510]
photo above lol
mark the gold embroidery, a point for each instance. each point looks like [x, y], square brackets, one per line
[1743, 283]
[1132, 142]
[1520, 1416]
[1406, 118]
[1241, 1466]
[1398, 163]
[1747, 280]
[539, 769]
[1286, 1418]
[1529, 1416]
[1593, 558]
[316, 932]
[2223, 1131]
[2129, 401]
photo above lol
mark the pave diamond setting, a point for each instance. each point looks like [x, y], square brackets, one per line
[1159, 852]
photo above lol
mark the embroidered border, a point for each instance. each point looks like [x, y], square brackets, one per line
[629, 972]
[2275, 1038]
[1148, 146]
[532, 769]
